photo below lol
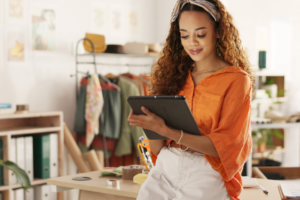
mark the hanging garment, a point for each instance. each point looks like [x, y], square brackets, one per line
[93, 108]
[80, 123]
[137, 81]
[111, 113]
[146, 83]
[129, 134]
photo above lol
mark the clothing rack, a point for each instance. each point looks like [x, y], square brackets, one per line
[95, 63]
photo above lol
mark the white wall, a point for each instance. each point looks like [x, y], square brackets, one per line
[44, 80]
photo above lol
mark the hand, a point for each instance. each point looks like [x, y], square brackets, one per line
[150, 121]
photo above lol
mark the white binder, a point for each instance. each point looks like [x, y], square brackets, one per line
[19, 194]
[12, 158]
[29, 157]
[20, 155]
[29, 195]
[43, 192]
[53, 155]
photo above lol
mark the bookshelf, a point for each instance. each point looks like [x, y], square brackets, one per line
[24, 124]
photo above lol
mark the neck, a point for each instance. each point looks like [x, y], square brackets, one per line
[209, 63]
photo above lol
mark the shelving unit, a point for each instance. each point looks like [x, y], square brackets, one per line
[291, 144]
[24, 124]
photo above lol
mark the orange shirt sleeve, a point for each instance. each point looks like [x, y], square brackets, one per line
[232, 136]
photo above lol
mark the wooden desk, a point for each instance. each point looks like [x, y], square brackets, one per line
[97, 189]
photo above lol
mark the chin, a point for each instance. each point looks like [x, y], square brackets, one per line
[196, 58]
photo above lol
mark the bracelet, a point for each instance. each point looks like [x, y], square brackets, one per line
[180, 137]
[183, 149]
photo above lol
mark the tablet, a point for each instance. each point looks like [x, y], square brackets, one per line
[173, 109]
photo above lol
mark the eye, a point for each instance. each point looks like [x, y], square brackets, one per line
[184, 37]
[201, 36]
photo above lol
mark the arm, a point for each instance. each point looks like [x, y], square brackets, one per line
[156, 146]
[202, 144]
[152, 122]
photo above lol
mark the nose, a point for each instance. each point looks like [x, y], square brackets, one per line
[193, 40]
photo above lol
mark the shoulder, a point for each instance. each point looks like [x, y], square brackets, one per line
[237, 76]
[239, 83]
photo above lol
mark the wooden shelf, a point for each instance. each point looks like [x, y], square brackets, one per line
[4, 187]
[33, 183]
[275, 126]
[119, 55]
[270, 100]
[28, 130]
[268, 152]
[30, 115]
[12, 125]
[268, 73]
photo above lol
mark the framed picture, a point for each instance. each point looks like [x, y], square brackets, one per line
[16, 11]
[16, 46]
[117, 20]
[99, 18]
[133, 20]
[43, 28]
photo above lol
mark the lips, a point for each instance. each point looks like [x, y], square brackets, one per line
[195, 51]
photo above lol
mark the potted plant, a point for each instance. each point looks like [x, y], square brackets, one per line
[263, 138]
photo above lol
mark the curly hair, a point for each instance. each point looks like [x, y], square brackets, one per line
[172, 68]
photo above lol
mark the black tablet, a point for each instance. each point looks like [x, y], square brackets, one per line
[173, 109]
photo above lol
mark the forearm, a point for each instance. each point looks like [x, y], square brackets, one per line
[202, 144]
[156, 146]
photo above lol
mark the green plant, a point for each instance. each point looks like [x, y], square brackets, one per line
[281, 92]
[265, 136]
[21, 175]
[269, 81]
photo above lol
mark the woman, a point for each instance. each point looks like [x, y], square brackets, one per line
[204, 61]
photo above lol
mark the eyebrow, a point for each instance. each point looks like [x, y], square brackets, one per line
[195, 29]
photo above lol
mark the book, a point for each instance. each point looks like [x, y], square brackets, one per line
[5, 105]
[289, 191]
[41, 156]
[12, 158]
[29, 157]
[43, 192]
[53, 155]
[1, 158]
[29, 194]
[20, 152]
[6, 111]
[19, 194]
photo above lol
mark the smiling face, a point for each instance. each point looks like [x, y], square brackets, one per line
[198, 35]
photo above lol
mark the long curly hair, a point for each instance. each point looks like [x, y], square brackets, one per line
[171, 70]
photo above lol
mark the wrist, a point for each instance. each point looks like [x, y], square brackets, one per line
[165, 131]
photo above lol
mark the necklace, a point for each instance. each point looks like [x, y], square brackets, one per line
[201, 72]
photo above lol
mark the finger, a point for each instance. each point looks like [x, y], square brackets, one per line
[130, 115]
[146, 111]
[135, 124]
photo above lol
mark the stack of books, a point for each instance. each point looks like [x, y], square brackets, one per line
[38, 156]
[289, 191]
[41, 192]
[6, 108]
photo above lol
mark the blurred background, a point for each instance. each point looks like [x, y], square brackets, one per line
[40, 47]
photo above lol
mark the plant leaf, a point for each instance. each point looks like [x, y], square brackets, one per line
[278, 134]
[21, 175]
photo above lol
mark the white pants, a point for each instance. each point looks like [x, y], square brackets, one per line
[182, 175]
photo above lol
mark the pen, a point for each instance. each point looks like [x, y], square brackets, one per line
[263, 189]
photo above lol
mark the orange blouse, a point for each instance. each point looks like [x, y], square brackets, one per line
[220, 104]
